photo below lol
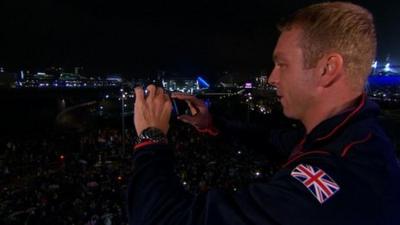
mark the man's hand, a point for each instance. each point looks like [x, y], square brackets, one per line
[201, 118]
[153, 110]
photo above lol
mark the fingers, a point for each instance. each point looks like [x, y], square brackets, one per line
[193, 109]
[139, 94]
[154, 92]
[167, 109]
[187, 119]
[191, 98]
[166, 97]
[159, 91]
[153, 110]
[167, 103]
[182, 96]
[151, 91]
[156, 96]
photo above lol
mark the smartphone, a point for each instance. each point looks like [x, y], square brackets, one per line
[180, 107]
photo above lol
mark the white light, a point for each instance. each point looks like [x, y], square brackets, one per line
[239, 152]
[387, 67]
[184, 183]
[257, 173]
[375, 64]
[107, 96]
[123, 96]
[101, 107]
[121, 90]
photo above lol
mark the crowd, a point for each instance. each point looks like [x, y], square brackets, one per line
[56, 177]
[64, 180]
[205, 162]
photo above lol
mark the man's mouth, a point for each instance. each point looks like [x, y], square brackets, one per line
[279, 97]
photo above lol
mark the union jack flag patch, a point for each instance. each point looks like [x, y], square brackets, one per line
[319, 183]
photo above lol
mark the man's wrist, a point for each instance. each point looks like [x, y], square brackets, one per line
[150, 135]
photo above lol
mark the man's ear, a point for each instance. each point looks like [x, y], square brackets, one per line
[330, 69]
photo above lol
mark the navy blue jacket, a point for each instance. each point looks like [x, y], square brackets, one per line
[343, 172]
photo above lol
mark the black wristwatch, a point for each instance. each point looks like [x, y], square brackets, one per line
[152, 134]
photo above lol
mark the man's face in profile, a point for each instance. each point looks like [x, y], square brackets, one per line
[294, 83]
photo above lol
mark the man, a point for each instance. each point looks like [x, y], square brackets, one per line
[344, 170]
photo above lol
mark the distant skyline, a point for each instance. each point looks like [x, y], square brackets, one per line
[180, 36]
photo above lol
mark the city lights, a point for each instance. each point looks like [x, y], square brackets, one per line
[387, 67]
[375, 64]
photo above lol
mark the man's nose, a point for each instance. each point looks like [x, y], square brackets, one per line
[273, 78]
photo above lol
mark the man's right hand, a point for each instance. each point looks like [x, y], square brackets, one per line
[153, 110]
[200, 117]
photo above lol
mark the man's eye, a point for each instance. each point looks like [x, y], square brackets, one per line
[281, 65]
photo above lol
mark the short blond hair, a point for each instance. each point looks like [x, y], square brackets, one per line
[340, 27]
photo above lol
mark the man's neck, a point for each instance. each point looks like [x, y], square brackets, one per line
[326, 110]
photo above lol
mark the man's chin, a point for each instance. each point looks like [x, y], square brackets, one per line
[289, 114]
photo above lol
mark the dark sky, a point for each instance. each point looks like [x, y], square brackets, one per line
[183, 36]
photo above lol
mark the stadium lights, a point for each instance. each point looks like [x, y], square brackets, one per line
[375, 64]
[203, 82]
[387, 67]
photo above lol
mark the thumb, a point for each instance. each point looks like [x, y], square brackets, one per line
[193, 109]
[186, 118]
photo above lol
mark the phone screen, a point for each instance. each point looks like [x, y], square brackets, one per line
[180, 107]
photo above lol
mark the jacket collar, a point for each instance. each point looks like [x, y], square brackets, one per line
[330, 127]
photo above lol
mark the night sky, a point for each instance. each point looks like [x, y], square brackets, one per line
[132, 37]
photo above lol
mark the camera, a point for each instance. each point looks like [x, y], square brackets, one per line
[180, 107]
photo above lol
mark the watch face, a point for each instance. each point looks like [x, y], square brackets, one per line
[153, 134]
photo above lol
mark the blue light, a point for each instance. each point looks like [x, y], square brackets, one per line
[378, 81]
[203, 82]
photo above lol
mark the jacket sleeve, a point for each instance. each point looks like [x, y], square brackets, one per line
[156, 196]
[279, 141]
